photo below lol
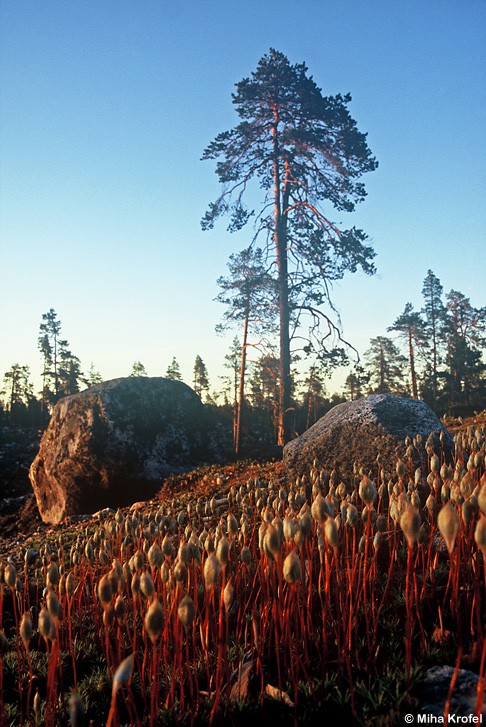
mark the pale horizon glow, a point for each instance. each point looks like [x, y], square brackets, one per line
[105, 111]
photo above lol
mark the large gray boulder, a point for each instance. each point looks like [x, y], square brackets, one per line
[111, 444]
[358, 431]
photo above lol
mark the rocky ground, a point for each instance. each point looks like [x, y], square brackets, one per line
[19, 516]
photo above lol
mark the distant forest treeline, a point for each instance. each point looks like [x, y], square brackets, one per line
[435, 354]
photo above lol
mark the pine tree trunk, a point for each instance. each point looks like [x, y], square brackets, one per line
[412, 365]
[280, 238]
[382, 369]
[235, 402]
[56, 374]
[241, 393]
[434, 372]
[285, 381]
[308, 418]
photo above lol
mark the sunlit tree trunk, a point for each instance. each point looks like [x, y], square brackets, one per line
[241, 393]
[413, 373]
[382, 368]
[280, 237]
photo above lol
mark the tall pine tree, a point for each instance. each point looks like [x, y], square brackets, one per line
[411, 327]
[434, 312]
[303, 149]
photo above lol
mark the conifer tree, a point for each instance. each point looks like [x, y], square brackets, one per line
[249, 296]
[385, 366]
[61, 372]
[201, 379]
[411, 327]
[434, 312]
[138, 369]
[19, 390]
[302, 149]
[174, 370]
[465, 331]
[94, 376]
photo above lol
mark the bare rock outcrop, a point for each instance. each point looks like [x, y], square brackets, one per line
[112, 443]
[358, 431]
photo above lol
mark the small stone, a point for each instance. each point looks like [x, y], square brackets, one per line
[434, 690]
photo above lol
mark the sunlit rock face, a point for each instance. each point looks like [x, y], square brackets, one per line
[111, 444]
[359, 430]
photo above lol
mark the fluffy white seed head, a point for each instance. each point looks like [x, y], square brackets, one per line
[105, 591]
[228, 595]
[367, 491]
[449, 525]
[331, 533]
[10, 575]
[480, 535]
[123, 673]
[146, 584]
[26, 631]
[410, 524]
[76, 710]
[222, 551]
[155, 556]
[186, 612]
[292, 570]
[211, 571]
[271, 541]
[154, 620]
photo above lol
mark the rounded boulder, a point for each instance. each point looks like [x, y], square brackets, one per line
[358, 431]
[113, 443]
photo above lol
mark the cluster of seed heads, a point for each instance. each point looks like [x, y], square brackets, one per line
[155, 560]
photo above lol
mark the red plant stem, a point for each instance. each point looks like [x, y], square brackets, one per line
[408, 630]
[481, 680]
[112, 711]
[17, 644]
[387, 584]
[417, 611]
[31, 679]
[452, 685]
[365, 578]
[153, 685]
[71, 645]
[1, 689]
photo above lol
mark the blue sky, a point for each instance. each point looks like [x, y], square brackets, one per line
[106, 108]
